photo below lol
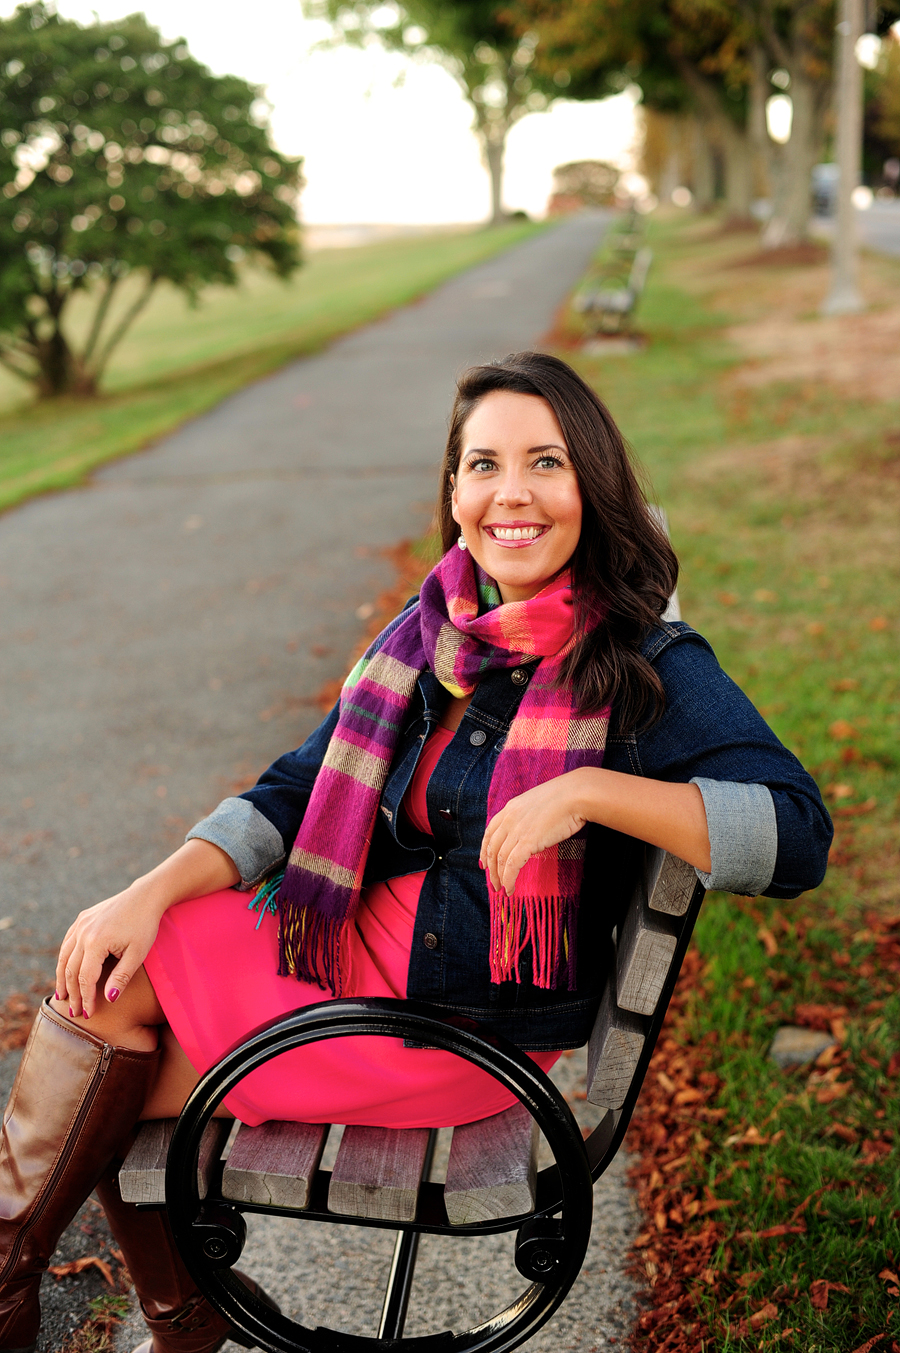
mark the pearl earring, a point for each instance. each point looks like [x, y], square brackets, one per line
[462, 543]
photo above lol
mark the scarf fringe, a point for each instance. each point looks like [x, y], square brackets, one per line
[309, 945]
[265, 899]
[546, 925]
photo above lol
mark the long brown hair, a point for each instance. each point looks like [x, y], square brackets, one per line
[623, 561]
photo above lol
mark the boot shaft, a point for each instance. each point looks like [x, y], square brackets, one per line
[74, 1100]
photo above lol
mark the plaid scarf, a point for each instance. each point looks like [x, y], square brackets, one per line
[459, 630]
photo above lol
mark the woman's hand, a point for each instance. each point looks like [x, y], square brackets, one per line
[530, 823]
[125, 926]
[662, 813]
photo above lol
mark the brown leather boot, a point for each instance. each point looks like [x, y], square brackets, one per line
[179, 1318]
[74, 1100]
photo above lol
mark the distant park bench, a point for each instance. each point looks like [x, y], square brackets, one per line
[610, 308]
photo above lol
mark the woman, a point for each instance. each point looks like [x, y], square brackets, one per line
[460, 829]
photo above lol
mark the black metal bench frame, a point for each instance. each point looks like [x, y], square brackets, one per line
[551, 1240]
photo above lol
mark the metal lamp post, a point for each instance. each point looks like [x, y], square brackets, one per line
[844, 297]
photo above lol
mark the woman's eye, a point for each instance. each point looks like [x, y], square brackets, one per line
[481, 465]
[548, 462]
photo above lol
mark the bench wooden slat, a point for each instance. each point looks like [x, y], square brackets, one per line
[614, 1049]
[492, 1168]
[142, 1178]
[377, 1172]
[274, 1163]
[646, 945]
[670, 882]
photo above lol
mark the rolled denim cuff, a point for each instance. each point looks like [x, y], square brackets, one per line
[246, 836]
[743, 836]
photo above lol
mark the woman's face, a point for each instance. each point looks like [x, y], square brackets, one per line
[515, 494]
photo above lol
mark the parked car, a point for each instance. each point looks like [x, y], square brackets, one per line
[825, 188]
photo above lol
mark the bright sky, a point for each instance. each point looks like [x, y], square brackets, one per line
[375, 152]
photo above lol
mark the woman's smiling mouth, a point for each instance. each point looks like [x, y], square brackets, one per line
[516, 533]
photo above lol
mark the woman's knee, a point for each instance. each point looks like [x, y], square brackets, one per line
[131, 1021]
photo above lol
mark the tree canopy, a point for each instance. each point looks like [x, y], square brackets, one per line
[718, 61]
[122, 154]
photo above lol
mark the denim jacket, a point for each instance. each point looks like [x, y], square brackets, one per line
[769, 830]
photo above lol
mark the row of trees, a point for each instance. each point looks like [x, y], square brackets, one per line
[705, 68]
[121, 156]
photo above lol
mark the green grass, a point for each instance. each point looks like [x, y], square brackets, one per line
[838, 1156]
[784, 503]
[178, 362]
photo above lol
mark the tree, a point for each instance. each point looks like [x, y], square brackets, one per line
[474, 41]
[687, 57]
[121, 155]
[881, 144]
[583, 183]
[799, 39]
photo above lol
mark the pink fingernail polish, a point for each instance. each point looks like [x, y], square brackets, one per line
[85, 1015]
[56, 995]
[113, 995]
[71, 1012]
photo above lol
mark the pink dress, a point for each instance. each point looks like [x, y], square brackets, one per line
[216, 977]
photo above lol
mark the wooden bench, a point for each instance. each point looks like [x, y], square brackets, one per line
[380, 1175]
[610, 307]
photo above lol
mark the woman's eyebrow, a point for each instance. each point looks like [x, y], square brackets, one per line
[489, 451]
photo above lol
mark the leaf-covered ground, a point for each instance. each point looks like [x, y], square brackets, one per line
[772, 1197]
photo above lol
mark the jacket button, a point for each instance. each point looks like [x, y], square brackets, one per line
[447, 813]
[430, 941]
[518, 676]
[478, 738]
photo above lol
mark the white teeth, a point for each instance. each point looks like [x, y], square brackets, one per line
[516, 532]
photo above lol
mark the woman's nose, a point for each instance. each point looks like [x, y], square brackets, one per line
[512, 490]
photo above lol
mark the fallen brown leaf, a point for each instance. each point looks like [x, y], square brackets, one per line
[75, 1266]
[783, 1229]
[688, 1096]
[713, 1205]
[829, 1093]
[814, 1016]
[819, 1291]
[769, 942]
[870, 1343]
[762, 1317]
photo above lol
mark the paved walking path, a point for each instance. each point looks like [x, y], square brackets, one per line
[164, 628]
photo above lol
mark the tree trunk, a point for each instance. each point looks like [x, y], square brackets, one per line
[704, 176]
[793, 207]
[738, 173]
[58, 368]
[493, 157]
[760, 142]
